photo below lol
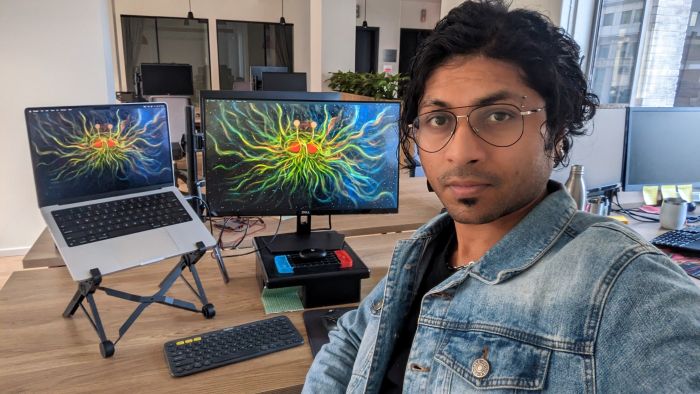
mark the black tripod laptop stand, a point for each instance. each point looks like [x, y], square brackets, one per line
[87, 287]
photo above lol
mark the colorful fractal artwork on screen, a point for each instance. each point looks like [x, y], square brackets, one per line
[90, 144]
[331, 153]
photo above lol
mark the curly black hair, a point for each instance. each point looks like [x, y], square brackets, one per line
[548, 57]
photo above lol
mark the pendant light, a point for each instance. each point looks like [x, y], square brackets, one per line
[282, 21]
[364, 22]
[190, 15]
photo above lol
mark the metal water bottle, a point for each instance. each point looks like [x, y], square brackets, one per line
[576, 186]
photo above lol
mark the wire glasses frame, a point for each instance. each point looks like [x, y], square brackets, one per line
[500, 125]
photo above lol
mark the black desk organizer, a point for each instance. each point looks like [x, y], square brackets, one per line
[87, 287]
[318, 289]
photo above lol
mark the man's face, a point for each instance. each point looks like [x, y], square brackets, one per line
[477, 182]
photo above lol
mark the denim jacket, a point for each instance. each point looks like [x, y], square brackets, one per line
[566, 302]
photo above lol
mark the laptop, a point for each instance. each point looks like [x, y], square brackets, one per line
[105, 186]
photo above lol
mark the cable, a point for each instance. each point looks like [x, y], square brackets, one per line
[634, 215]
[267, 244]
[279, 222]
[206, 206]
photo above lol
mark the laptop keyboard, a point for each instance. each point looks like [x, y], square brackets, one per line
[677, 238]
[97, 222]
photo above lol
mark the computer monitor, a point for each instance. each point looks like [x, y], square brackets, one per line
[661, 147]
[256, 73]
[300, 157]
[284, 82]
[166, 79]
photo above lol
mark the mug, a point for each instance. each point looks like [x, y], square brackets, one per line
[597, 205]
[673, 213]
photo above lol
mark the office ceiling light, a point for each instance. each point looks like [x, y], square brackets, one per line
[190, 15]
[282, 21]
[364, 22]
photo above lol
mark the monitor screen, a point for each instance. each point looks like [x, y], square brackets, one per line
[289, 157]
[284, 82]
[256, 73]
[84, 152]
[166, 79]
[661, 147]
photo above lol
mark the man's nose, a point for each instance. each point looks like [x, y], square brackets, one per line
[465, 146]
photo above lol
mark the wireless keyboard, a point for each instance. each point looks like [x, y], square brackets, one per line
[685, 239]
[230, 345]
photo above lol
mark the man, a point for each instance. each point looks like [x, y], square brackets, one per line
[513, 288]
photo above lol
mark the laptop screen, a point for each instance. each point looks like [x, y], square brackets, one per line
[88, 152]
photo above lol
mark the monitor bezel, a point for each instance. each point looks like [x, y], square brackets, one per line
[290, 97]
[626, 186]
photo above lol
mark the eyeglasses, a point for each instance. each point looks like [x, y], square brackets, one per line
[497, 124]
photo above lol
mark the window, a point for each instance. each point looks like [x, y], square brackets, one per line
[638, 14]
[614, 61]
[245, 44]
[608, 19]
[167, 40]
[626, 17]
[667, 34]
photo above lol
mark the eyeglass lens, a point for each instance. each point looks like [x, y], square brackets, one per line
[498, 124]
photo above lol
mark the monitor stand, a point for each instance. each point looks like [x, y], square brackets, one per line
[303, 239]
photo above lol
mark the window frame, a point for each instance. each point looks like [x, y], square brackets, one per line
[218, 65]
[641, 54]
[123, 70]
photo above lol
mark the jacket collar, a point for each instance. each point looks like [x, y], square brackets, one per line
[525, 243]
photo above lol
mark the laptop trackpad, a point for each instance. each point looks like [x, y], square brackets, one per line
[143, 248]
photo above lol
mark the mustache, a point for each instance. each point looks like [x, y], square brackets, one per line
[469, 173]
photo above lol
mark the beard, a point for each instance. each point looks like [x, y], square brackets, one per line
[502, 198]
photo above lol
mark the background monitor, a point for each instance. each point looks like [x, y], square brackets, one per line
[300, 157]
[263, 95]
[661, 147]
[599, 150]
[284, 82]
[166, 79]
[256, 73]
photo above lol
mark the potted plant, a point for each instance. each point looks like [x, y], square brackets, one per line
[376, 85]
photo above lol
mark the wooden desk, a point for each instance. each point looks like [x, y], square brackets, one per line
[416, 207]
[44, 352]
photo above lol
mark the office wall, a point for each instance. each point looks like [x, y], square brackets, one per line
[551, 8]
[54, 53]
[296, 12]
[411, 11]
[386, 15]
[337, 39]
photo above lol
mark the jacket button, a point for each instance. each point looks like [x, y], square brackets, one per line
[377, 306]
[480, 368]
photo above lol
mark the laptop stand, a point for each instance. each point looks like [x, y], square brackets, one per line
[87, 287]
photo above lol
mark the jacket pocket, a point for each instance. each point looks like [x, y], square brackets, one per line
[488, 361]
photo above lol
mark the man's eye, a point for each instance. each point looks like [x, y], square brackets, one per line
[437, 120]
[499, 117]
